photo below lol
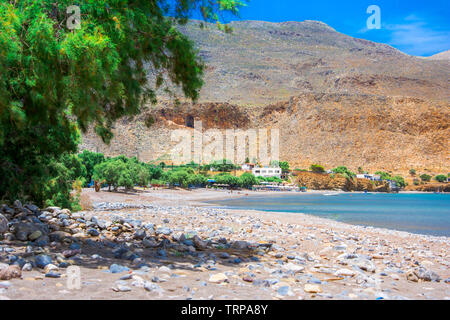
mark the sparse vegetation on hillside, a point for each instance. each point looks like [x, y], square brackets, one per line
[384, 175]
[425, 177]
[317, 168]
[344, 171]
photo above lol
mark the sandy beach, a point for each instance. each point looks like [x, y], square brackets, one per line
[195, 251]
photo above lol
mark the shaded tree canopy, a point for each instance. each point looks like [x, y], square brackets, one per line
[55, 81]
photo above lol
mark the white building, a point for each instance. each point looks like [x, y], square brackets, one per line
[247, 166]
[369, 176]
[267, 172]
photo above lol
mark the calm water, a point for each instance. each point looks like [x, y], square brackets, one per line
[416, 213]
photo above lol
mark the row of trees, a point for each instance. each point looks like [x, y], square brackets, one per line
[124, 172]
[427, 178]
[129, 172]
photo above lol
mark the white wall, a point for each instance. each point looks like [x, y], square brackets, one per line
[267, 172]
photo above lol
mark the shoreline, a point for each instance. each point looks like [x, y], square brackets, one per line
[198, 197]
[182, 250]
[201, 203]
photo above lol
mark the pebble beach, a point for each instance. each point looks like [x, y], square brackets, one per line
[168, 244]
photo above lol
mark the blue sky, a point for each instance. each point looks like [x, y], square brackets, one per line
[416, 27]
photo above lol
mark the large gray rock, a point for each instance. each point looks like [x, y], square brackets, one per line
[240, 245]
[3, 224]
[59, 236]
[424, 275]
[23, 229]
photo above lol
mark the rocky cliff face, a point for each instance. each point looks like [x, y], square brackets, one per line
[336, 100]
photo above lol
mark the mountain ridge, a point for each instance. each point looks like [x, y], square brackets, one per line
[392, 109]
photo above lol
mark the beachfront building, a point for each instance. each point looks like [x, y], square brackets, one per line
[372, 177]
[248, 166]
[267, 172]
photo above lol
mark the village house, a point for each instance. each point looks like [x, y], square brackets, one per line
[267, 172]
[369, 177]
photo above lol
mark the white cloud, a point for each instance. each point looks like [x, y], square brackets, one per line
[416, 37]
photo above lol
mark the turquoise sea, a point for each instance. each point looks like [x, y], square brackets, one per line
[416, 213]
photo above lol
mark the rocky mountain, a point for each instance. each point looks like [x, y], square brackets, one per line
[336, 100]
[441, 56]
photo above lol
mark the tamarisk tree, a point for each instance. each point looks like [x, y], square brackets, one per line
[56, 81]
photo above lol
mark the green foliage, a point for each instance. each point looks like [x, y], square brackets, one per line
[269, 179]
[177, 178]
[228, 179]
[441, 178]
[425, 177]
[90, 160]
[197, 180]
[30, 158]
[126, 172]
[157, 182]
[412, 172]
[114, 172]
[155, 172]
[221, 166]
[384, 175]
[55, 81]
[74, 164]
[192, 164]
[400, 181]
[317, 168]
[247, 180]
[140, 172]
[284, 165]
[344, 171]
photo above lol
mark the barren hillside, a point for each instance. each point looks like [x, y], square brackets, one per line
[337, 100]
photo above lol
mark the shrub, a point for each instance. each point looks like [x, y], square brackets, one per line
[384, 175]
[400, 181]
[90, 160]
[247, 180]
[177, 178]
[221, 166]
[425, 177]
[284, 165]
[115, 173]
[344, 171]
[228, 179]
[56, 191]
[317, 168]
[412, 172]
[441, 178]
